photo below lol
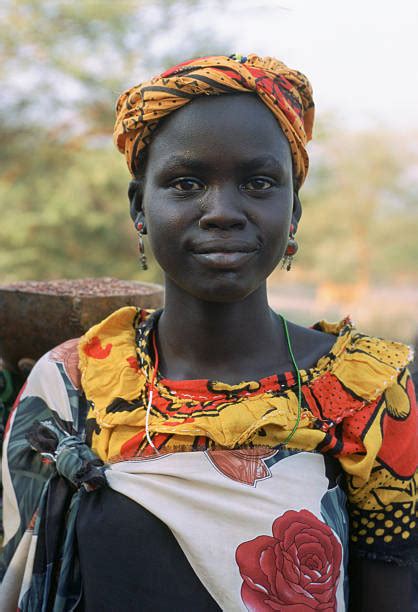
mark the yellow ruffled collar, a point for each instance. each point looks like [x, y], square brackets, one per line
[116, 365]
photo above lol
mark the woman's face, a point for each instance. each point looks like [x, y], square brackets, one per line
[218, 196]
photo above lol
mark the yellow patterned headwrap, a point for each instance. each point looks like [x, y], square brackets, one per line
[286, 92]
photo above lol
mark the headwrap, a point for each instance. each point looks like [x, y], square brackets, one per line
[286, 92]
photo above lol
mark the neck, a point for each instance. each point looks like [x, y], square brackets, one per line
[226, 341]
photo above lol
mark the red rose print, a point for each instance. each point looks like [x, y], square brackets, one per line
[297, 569]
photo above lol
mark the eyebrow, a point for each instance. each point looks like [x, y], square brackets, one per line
[176, 161]
[265, 161]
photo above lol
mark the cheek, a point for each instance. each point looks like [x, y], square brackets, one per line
[275, 228]
[273, 252]
[165, 229]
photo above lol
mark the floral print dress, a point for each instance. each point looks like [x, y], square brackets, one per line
[261, 526]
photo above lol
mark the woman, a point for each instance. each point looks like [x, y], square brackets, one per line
[215, 493]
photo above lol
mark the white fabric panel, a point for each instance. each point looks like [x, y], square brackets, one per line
[211, 514]
[11, 515]
[12, 580]
[27, 576]
[45, 381]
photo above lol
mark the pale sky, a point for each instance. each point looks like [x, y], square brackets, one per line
[361, 56]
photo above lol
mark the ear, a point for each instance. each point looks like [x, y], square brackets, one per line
[135, 192]
[297, 211]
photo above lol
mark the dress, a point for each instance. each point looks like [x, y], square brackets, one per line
[245, 522]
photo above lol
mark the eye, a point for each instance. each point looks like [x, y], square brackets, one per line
[187, 184]
[258, 183]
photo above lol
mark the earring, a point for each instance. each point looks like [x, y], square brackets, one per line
[291, 249]
[140, 228]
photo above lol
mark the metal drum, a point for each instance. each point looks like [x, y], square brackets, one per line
[35, 316]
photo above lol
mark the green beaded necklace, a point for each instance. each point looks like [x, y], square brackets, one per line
[295, 365]
[292, 358]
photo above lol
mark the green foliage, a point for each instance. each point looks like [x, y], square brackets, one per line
[67, 216]
[360, 209]
[65, 61]
[63, 188]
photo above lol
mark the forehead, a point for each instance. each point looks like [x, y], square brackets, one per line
[219, 129]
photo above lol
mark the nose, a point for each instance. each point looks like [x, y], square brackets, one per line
[221, 210]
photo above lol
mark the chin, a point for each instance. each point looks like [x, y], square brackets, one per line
[225, 292]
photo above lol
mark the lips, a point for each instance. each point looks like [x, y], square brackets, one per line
[226, 246]
[226, 254]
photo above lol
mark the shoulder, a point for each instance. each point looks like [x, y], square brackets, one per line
[368, 366]
[52, 390]
[363, 364]
[309, 344]
[96, 361]
[116, 329]
[66, 354]
[108, 357]
[55, 369]
[108, 341]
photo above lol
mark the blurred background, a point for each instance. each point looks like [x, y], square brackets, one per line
[63, 204]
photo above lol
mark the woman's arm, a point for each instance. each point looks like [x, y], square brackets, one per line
[381, 490]
[377, 586]
[32, 489]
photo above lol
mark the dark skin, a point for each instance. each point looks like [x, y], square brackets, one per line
[212, 183]
[217, 200]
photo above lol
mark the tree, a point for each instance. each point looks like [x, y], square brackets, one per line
[62, 190]
[360, 208]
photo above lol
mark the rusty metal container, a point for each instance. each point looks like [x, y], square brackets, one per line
[35, 316]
